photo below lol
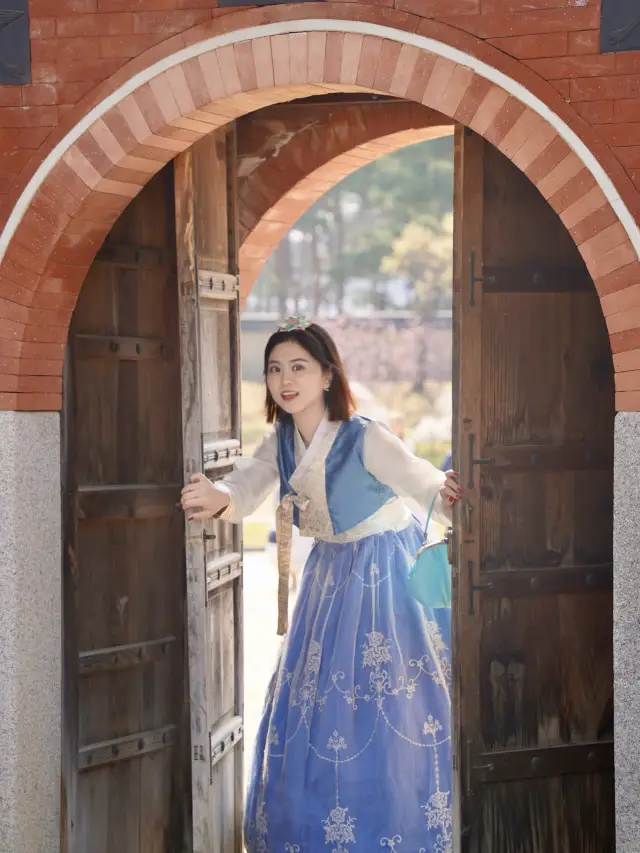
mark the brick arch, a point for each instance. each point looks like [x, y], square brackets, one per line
[139, 128]
[282, 188]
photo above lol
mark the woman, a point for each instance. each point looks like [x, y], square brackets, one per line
[353, 750]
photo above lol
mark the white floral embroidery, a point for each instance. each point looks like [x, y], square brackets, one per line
[432, 727]
[438, 813]
[339, 829]
[336, 743]
[291, 848]
[376, 651]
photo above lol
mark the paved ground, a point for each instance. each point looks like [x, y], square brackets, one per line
[261, 643]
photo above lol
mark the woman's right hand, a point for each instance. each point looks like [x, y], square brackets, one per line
[202, 495]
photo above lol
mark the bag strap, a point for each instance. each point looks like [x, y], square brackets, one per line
[433, 503]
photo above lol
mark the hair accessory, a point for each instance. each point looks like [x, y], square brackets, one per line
[291, 324]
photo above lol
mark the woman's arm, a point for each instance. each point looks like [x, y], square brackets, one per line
[239, 493]
[390, 462]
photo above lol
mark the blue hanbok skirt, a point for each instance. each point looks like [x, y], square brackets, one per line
[353, 752]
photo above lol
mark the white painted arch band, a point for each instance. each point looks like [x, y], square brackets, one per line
[314, 25]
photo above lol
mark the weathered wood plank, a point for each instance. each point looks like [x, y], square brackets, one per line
[125, 588]
[533, 616]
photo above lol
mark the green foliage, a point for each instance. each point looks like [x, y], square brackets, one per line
[352, 232]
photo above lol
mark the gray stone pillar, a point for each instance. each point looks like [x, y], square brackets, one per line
[626, 630]
[30, 632]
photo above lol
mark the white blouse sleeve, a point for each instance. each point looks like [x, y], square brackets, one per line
[390, 462]
[251, 480]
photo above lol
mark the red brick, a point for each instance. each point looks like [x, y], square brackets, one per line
[69, 49]
[94, 25]
[20, 275]
[505, 120]
[71, 93]
[626, 110]
[42, 28]
[8, 402]
[43, 72]
[625, 277]
[409, 55]
[612, 260]
[591, 201]
[317, 45]
[39, 95]
[33, 137]
[246, 66]
[10, 96]
[564, 67]
[135, 5]
[387, 62]
[620, 134]
[332, 59]
[461, 80]
[628, 63]
[46, 208]
[521, 131]
[87, 69]
[369, 56]
[533, 47]
[562, 86]
[604, 88]
[475, 94]
[128, 46]
[528, 23]
[628, 381]
[11, 331]
[437, 8]
[12, 162]
[595, 112]
[629, 360]
[551, 157]
[62, 7]
[350, 64]
[420, 77]
[606, 240]
[572, 191]
[438, 81]
[587, 41]
[490, 6]
[13, 312]
[39, 402]
[9, 137]
[28, 117]
[168, 23]
[39, 385]
[488, 109]
[629, 156]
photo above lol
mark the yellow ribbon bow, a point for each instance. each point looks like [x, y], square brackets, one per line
[284, 536]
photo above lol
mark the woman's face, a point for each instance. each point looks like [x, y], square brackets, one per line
[294, 378]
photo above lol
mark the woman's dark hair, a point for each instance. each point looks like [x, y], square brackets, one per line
[321, 347]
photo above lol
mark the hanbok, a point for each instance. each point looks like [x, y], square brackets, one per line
[353, 753]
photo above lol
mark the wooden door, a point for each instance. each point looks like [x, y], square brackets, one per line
[533, 430]
[125, 786]
[209, 330]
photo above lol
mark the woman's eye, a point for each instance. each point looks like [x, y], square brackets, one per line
[298, 366]
[274, 369]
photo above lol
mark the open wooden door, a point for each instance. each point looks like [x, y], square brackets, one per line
[124, 785]
[532, 630]
[209, 341]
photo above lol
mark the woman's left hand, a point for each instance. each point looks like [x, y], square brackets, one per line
[450, 491]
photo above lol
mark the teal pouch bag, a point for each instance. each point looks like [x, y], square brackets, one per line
[430, 576]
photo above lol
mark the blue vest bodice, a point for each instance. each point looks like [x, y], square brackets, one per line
[353, 494]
